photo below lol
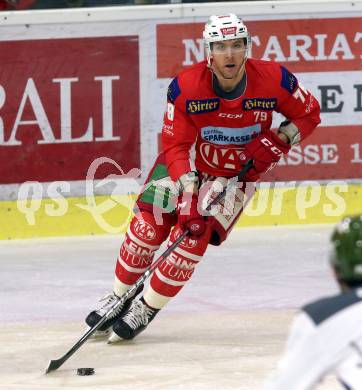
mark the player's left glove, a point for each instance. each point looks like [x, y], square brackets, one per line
[265, 151]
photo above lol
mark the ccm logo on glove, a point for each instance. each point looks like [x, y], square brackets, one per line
[272, 147]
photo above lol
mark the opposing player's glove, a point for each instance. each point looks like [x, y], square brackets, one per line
[265, 151]
[188, 215]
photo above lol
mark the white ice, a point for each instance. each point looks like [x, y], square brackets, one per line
[225, 330]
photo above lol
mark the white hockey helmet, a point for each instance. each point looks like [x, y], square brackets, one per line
[223, 28]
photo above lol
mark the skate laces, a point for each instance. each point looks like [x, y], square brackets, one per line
[138, 315]
[109, 300]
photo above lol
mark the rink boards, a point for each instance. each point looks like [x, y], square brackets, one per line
[301, 203]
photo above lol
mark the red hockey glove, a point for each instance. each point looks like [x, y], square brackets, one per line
[265, 151]
[188, 215]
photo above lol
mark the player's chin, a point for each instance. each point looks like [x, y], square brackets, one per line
[230, 73]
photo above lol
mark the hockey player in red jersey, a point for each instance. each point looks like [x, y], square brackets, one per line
[218, 116]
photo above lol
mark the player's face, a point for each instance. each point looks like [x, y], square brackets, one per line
[228, 57]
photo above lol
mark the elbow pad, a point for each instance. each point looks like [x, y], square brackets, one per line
[291, 131]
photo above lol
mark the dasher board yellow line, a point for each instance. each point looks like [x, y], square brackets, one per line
[302, 204]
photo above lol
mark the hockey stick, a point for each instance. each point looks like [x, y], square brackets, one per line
[55, 364]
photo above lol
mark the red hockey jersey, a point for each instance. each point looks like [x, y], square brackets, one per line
[204, 131]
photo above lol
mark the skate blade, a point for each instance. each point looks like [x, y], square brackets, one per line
[114, 338]
[100, 334]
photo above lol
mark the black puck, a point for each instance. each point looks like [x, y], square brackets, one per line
[85, 371]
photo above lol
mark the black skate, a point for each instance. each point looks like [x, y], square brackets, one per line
[109, 300]
[133, 322]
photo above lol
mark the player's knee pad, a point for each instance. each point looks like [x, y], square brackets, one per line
[145, 229]
[141, 241]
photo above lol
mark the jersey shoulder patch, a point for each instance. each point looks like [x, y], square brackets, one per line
[289, 81]
[323, 309]
[173, 90]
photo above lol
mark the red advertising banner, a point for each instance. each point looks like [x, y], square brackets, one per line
[302, 45]
[65, 102]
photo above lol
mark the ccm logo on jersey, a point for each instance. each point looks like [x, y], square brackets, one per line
[259, 104]
[273, 148]
[230, 116]
[201, 106]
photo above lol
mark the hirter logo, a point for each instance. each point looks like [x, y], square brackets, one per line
[267, 104]
[201, 106]
[144, 230]
[228, 30]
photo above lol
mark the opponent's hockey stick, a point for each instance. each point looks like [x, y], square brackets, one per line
[55, 364]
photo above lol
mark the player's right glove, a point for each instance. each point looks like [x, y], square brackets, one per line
[265, 151]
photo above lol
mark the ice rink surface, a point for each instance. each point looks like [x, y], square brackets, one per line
[225, 330]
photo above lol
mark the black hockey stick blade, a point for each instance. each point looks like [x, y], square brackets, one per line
[55, 364]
